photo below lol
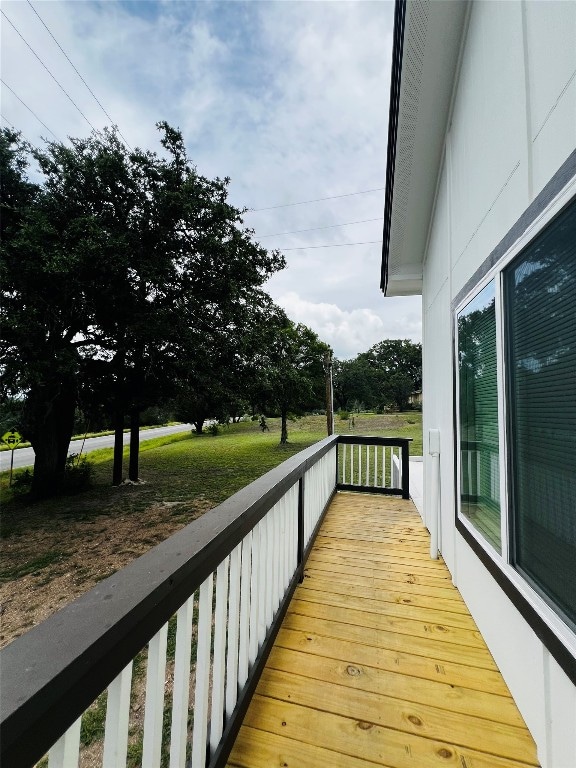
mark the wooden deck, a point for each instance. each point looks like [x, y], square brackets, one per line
[378, 661]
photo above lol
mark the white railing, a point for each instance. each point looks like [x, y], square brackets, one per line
[375, 464]
[319, 483]
[174, 701]
[175, 642]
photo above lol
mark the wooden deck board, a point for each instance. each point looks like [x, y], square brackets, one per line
[378, 662]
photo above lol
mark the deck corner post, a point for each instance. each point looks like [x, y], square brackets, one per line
[300, 553]
[405, 470]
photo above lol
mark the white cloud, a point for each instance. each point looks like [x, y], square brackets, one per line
[350, 332]
[290, 100]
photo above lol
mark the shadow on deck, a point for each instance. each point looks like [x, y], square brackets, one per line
[378, 661]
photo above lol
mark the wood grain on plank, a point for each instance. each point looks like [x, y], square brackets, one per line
[420, 719]
[363, 739]
[401, 662]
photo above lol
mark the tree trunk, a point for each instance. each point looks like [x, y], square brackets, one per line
[134, 444]
[198, 425]
[50, 416]
[118, 447]
[284, 430]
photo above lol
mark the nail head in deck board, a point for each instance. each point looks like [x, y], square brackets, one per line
[310, 710]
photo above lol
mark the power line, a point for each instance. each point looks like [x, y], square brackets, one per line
[75, 70]
[317, 200]
[5, 84]
[335, 245]
[328, 226]
[49, 72]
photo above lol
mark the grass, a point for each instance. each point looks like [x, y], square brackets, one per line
[187, 467]
[33, 566]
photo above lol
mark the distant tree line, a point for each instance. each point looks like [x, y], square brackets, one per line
[383, 377]
[130, 283]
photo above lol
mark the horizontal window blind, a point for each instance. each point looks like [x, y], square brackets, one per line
[540, 313]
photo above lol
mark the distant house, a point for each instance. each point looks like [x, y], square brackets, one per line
[480, 219]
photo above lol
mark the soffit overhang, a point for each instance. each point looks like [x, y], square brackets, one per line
[427, 41]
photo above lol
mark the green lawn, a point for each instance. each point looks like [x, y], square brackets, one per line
[186, 467]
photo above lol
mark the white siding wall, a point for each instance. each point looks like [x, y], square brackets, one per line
[513, 125]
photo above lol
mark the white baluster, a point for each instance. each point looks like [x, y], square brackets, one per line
[383, 466]
[263, 568]
[155, 685]
[181, 690]
[66, 751]
[219, 666]
[367, 483]
[199, 734]
[117, 718]
[375, 466]
[244, 609]
[269, 569]
[233, 631]
[254, 594]
[351, 465]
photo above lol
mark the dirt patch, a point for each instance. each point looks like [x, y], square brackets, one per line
[46, 566]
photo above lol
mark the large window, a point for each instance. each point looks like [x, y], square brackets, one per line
[479, 451]
[527, 438]
[540, 305]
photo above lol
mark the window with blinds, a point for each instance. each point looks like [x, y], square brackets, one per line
[478, 390]
[540, 318]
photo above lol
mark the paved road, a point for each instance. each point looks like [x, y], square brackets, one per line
[24, 457]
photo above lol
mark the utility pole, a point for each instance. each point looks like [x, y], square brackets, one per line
[329, 392]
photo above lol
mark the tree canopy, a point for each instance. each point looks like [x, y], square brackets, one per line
[119, 268]
[387, 374]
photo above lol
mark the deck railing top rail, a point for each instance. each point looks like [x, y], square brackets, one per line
[52, 673]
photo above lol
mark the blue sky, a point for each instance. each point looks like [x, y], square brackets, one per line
[289, 99]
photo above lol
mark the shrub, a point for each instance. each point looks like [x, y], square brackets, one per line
[214, 430]
[77, 473]
[344, 415]
[22, 482]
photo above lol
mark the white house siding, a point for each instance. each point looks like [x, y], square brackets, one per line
[513, 125]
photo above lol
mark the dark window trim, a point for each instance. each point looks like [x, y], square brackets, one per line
[395, 82]
[536, 622]
[561, 654]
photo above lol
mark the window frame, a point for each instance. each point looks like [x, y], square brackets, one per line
[539, 609]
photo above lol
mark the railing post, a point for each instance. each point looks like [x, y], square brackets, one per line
[301, 528]
[405, 471]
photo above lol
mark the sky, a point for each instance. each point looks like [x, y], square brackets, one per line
[289, 99]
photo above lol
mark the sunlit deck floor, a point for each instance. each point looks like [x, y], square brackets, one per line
[378, 661]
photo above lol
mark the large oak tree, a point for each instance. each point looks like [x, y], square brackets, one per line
[115, 266]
